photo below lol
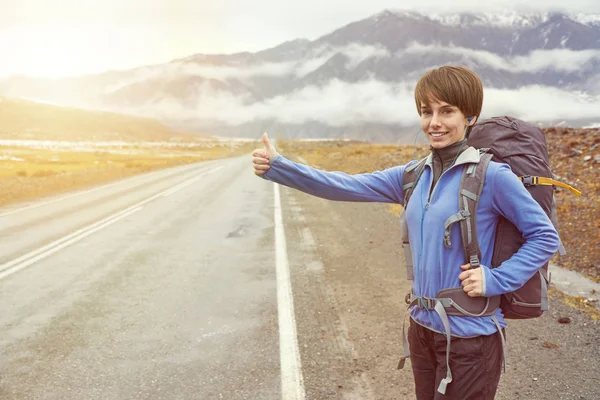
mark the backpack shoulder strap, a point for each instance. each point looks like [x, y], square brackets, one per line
[471, 186]
[411, 176]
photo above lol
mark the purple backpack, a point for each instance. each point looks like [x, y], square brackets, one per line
[523, 147]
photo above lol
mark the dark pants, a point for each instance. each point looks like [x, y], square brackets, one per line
[476, 364]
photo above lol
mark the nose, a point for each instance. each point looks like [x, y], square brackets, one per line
[435, 120]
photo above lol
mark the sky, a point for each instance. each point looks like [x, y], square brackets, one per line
[56, 38]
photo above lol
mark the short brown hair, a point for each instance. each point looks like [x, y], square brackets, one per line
[457, 86]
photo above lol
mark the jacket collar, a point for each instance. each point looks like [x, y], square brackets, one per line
[469, 156]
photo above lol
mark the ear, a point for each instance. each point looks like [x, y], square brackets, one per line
[471, 120]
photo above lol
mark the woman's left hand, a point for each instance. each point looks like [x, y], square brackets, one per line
[471, 280]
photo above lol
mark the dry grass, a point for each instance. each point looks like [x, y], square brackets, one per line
[27, 174]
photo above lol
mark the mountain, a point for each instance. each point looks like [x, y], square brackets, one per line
[29, 120]
[357, 81]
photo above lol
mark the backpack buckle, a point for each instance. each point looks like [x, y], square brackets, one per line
[426, 303]
[527, 180]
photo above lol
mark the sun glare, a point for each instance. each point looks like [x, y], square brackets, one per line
[51, 54]
[75, 51]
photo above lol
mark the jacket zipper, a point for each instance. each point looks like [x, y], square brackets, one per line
[431, 192]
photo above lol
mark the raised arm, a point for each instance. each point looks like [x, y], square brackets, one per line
[380, 186]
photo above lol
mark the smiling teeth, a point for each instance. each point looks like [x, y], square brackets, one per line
[437, 134]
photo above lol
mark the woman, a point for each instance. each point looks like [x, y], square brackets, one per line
[449, 101]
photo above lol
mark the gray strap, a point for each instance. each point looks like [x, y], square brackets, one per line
[471, 187]
[462, 310]
[561, 249]
[554, 218]
[544, 305]
[409, 262]
[405, 344]
[468, 194]
[504, 344]
[412, 174]
[471, 169]
[468, 221]
[439, 308]
[415, 300]
[459, 216]
[406, 246]
[408, 185]
[412, 166]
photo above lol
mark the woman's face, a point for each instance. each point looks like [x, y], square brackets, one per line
[443, 123]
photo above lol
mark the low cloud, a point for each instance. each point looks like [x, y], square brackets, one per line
[558, 59]
[563, 60]
[339, 103]
[355, 53]
[541, 103]
[336, 104]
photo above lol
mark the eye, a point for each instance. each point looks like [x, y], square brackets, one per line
[425, 112]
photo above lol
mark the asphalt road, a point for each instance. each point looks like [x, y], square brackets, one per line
[159, 287]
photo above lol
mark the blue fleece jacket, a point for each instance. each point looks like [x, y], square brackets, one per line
[435, 266]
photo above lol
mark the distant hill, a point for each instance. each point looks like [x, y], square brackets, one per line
[357, 81]
[24, 119]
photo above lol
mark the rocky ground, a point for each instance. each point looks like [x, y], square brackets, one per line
[575, 159]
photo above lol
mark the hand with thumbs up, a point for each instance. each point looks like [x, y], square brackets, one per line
[261, 158]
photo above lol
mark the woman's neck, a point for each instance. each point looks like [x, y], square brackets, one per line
[445, 157]
[448, 154]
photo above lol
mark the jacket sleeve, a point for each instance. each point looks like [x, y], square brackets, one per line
[513, 202]
[380, 186]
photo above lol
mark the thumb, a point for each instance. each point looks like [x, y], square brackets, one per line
[465, 267]
[268, 147]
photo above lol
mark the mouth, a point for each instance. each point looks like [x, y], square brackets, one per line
[438, 134]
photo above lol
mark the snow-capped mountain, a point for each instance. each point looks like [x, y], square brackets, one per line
[358, 80]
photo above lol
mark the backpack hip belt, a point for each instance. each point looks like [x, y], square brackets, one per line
[452, 301]
[456, 302]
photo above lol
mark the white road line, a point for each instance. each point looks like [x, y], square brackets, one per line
[16, 268]
[292, 383]
[26, 260]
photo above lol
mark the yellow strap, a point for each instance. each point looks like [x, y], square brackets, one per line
[539, 180]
